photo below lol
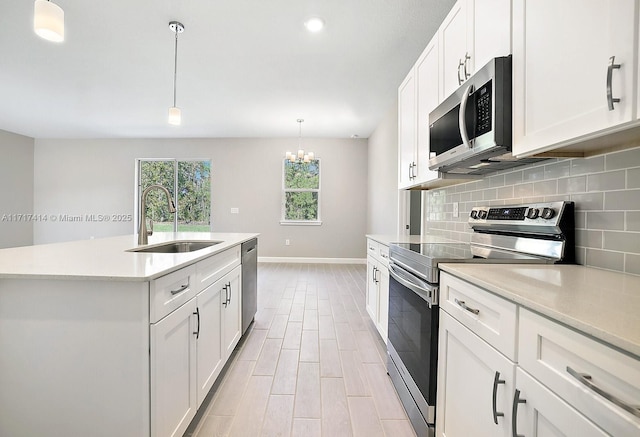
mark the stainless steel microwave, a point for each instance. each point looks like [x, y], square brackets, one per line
[470, 131]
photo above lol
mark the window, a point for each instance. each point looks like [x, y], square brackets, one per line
[193, 203]
[301, 192]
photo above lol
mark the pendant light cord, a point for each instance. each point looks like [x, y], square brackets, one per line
[175, 69]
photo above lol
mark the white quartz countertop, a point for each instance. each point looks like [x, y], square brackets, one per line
[108, 258]
[603, 304]
[387, 239]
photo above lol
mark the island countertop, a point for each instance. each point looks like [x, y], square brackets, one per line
[109, 258]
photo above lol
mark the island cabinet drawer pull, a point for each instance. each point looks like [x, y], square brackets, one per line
[586, 380]
[463, 305]
[181, 289]
[496, 381]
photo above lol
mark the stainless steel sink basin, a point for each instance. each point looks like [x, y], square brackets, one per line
[176, 247]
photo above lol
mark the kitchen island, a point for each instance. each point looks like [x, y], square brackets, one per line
[98, 340]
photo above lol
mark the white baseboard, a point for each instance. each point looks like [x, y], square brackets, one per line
[300, 260]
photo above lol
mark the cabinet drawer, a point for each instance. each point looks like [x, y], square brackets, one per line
[211, 269]
[491, 317]
[384, 254]
[168, 292]
[547, 349]
[372, 249]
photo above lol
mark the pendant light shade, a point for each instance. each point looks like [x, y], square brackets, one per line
[48, 20]
[175, 115]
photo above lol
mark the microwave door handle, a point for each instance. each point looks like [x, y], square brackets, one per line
[462, 119]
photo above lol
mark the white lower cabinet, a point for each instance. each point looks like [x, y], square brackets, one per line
[560, 382]
[190, 345]
[173, 372]
[537, 411]
[377, 290]
[475, 383]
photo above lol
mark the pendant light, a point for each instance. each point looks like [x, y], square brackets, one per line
[175, 115]
[301, 156]
[48, 20]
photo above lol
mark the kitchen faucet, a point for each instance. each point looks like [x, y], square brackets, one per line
[143, 233]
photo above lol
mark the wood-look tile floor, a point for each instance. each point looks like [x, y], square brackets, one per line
[312, 364]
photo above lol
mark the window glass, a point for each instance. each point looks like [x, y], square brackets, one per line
[301, 192]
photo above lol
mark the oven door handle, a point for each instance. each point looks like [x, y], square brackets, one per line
[427, 292]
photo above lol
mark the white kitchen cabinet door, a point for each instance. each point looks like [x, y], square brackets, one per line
[452, 36]
[407, 131]
[383, 303]
[428, 97]
[470, 374]
[490, 35]
[173, 372]
[371, 302]
[208, 339]
[561, 57]
[540, 413]
[231, 310]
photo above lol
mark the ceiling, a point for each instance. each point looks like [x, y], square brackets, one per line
[246, 68]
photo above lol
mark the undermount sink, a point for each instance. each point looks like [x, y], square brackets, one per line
[176, 247]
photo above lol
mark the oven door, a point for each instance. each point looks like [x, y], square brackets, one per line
[413, 342]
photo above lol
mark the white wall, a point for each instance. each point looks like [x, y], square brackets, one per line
[16, 189]
[79, 177]
[382, 188]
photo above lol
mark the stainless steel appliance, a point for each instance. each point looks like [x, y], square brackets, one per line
[470, 131]
[249, 256]
[532, 233]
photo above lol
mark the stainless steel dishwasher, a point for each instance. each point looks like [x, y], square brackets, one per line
[249, 282]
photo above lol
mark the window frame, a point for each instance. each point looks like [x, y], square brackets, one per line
[283, 209]
[138, 189]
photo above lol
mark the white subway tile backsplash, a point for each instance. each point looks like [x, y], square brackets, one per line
[605, 189]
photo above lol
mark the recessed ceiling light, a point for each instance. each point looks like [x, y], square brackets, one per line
[314, 24]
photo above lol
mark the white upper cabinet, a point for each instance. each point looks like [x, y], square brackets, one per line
[453, 49]
[428, 97]
[474, 32]
[407, 131]
[565, 58]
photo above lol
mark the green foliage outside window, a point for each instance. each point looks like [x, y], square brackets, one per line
[193, 202]
[301, 190]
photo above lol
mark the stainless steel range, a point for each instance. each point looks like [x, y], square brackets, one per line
[532, 233]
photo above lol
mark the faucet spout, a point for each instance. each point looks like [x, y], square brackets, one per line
[143, 232]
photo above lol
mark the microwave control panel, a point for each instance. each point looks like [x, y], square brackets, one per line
[483, 109]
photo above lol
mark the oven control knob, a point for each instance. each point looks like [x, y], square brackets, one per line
[533, 213]
[548, 213]
[474, 214]
[482, 214]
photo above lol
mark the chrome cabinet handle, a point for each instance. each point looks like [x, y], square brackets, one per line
[384, 255]
[610, 99]
[586, 380]
[414, 170]
[197, 313]
[462, 120]
[467, 75]
[460, 64]
[496, 381]
[514, 414]
[463, 305]
[229, 292]
[181, 289]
